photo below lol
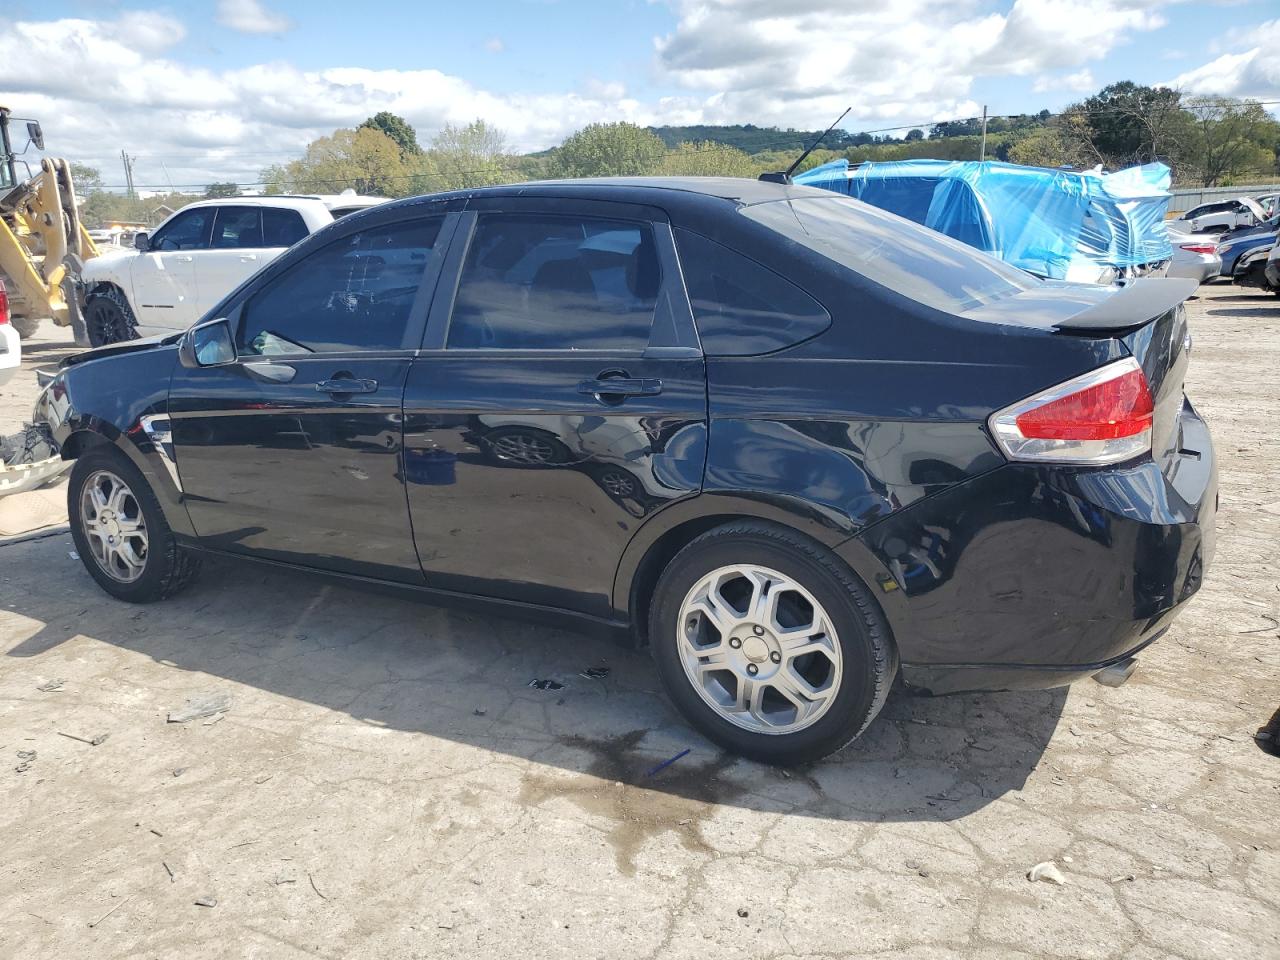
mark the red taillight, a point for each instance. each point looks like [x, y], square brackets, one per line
[1200, 247]
[4, 303]
[1104, 416]
[1106, 411]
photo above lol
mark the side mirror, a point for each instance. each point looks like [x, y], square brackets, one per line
[35, 134]
[141, 242]
[208, 344]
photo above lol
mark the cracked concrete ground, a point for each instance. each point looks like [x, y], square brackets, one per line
[386, 784]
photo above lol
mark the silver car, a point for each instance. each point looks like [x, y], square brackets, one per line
[1195, 255]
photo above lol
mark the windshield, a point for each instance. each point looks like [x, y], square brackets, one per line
[895, 253]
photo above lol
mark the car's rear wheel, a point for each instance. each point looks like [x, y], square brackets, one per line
[768, 644]
[109, 318]
[120, 531]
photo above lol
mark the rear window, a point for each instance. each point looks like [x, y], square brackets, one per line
[912, 260]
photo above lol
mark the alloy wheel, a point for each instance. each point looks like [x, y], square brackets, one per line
[759, 649]
[112, 521]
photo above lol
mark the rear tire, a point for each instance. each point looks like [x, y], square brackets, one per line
[25, 326]
[109, 318]
[120, 530]
[769, 645]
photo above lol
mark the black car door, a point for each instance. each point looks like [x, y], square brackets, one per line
[560, 400]
[293, 452]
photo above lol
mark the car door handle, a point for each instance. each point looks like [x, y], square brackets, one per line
[609, 387]
[346, 385]
[248, 257]
[271, 372]
[182, 259]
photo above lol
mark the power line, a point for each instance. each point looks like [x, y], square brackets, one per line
[798, 140]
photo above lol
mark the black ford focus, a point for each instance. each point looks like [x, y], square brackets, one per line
[795, 445]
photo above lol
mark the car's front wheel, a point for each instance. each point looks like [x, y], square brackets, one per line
[769, 645]
[109, 318]
[120, 531]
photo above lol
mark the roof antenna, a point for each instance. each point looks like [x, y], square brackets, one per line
[781, 177]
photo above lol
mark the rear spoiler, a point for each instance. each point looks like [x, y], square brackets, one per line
[1138, 301]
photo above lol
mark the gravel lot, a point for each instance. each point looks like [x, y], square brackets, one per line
[384, 782]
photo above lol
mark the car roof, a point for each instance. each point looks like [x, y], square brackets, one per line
[654, 191]
[288, 202]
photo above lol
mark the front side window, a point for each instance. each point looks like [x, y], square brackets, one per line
[741, 308]
[237, 227]
[189, 230]
[353, 294]
[907, 258]
[533, 282]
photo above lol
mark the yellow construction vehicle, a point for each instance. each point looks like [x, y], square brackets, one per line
[42, 242]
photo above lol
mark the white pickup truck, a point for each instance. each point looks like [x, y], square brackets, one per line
[195, 258]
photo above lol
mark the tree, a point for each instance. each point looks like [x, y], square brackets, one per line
[476, 155]
[707, 159]
[85, 179]
[1125, 123]
[1054, 145]
[397, 128]
[609, 150]
[1230, 138]
[916, 134]
[216, 191]
[365, 159]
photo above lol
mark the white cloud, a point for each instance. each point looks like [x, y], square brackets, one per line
[1079, 82]
[251, 16]
[1253, 72]
[122, 83]
[495, 45]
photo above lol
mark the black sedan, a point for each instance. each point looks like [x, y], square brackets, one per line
[794, 444]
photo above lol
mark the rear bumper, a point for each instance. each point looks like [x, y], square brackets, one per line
[1199, 267]
[1030, 577]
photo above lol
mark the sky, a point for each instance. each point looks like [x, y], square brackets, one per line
[214, 91]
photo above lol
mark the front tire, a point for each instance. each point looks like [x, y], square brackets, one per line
[120, 531]
[109, 318]
[769, 645]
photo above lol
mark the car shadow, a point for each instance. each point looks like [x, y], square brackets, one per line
[410, 666]
[1261, 310]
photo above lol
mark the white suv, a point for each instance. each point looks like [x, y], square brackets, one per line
[1221, 216]
[194, 259]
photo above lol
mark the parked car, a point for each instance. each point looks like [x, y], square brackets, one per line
[1271, 272]
[1270, 203]
[194, 259]
[865, 449]
[1252, 267]
[1223, 215]
[10, 342]
[1243, 240]
[1195, 255]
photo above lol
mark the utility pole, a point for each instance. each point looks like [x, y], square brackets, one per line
[983, 154]
[128, 174]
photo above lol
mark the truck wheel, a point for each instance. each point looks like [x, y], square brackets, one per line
[768, 645]
[26, 326]
[109, 318]
[120, 531]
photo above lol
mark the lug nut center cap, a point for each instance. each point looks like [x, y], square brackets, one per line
[755, 649]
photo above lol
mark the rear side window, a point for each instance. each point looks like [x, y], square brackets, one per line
[237, 227]
[533, 282]
[354, 294]
[905, 257]
[282, 228]
[742, 308]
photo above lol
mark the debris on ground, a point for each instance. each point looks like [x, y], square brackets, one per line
[669, 761]
[205, 706]
[744, 912]
[315, 888]
[546, 684]
[169, 871]
[206, 902]
[1047, 871]
[72, 555]
[96, 741]
[50, 686]
[479, 711]
[25, 759]
[94, 923]
[1268, 737]
[1275, 625]
[595, 673]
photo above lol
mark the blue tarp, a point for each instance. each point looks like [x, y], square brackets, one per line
[1053, 223]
